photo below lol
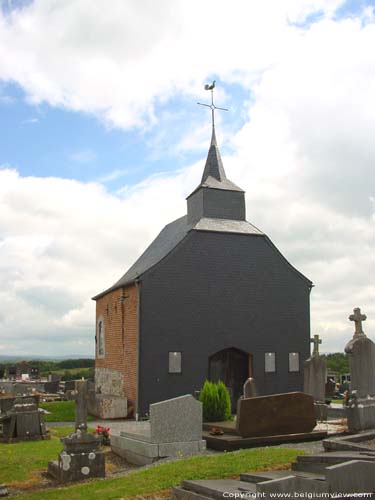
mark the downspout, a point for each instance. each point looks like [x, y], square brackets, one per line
[138, 288]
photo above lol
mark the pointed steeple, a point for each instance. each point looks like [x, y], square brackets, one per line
[214, 165]
[216, 197]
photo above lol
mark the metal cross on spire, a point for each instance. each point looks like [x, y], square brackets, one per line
[212, 105]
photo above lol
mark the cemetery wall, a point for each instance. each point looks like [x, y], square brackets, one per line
[120, 339]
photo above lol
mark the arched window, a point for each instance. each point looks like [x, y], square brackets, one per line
[100, 337]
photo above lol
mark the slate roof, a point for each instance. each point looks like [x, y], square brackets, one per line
[170, 237]
[214, 174]
[213, 178]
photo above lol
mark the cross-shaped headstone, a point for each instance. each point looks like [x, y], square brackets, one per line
[80, 395]
[357, 317]
[316, 341]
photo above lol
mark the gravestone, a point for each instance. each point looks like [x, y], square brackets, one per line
[80, 395]
[290, 413]
[361, 351]
[174, 428]
[315, 373]
[81, 457]
[21, 419]
[249, 388]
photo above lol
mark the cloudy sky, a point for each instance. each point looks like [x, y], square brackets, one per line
[101, 140]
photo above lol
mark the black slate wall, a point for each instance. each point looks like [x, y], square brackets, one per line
[215, 291]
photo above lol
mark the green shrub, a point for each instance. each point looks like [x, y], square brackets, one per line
[216, 402]
[225, 405]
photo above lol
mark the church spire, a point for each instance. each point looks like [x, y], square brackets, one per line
[214, 165]
[216, 197]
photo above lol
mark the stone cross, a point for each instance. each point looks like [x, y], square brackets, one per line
[316, 341]
[80, 395]
[357, 317]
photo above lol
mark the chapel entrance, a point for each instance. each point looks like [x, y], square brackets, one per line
[232, 367]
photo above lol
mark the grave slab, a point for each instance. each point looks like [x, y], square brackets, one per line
[355, 476]
[175, 428]
[290, 413]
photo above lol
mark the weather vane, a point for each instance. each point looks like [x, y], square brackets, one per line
[212, 105]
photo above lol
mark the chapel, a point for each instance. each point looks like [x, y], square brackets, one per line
[210, 298]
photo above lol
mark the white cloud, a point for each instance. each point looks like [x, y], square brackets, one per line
[118, 62]
[30, 121]
[304, 156]
[83, 156]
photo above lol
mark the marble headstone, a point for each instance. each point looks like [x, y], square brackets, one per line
[177, 419]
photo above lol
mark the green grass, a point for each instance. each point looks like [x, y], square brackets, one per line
[171, 474]
[18, 461]
[61, 411]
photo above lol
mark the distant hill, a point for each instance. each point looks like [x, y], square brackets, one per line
[29, 357]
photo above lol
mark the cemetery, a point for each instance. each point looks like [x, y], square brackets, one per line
[208, 413]
[226, 424]
[192, 463]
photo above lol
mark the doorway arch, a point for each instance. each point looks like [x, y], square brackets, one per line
[232, 366]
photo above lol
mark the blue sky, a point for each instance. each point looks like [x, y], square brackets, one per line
[59, 142]
[101, 140]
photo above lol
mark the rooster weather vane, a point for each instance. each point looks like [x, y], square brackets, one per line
[212, 106]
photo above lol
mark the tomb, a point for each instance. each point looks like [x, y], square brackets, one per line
[81, 457]
[21, 419]
[174, 429]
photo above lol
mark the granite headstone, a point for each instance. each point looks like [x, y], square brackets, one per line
[290, 413]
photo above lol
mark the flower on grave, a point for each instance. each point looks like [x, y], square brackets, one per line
[103, 432]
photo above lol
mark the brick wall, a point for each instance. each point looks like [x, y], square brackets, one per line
[120, 336]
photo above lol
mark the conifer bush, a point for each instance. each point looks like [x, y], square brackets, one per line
[216, 402]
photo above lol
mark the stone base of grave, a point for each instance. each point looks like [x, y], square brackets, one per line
[336, 413]
[321, 411]
[335, 475]
[24, 422]
[354, 442]
[81, 459]
[77, 467]
[106, 406]
[143, 452]
[232, 442]
[362, 416]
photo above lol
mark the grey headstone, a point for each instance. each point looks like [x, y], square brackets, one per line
[315, 373]
[81, 396]
[361, 352]
[249, 388]
[178, 419]
[356, 476]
